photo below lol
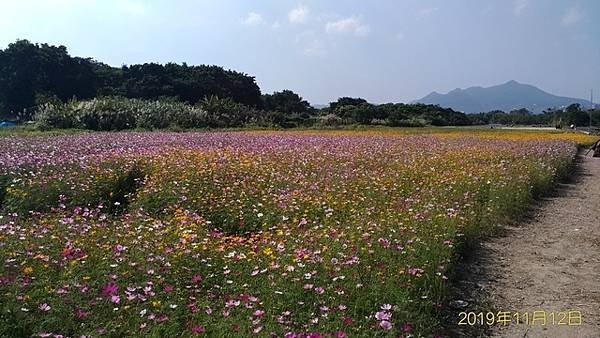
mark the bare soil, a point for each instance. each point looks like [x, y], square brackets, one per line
[549, 261]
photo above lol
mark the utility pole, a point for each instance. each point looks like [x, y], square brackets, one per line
[592, 108]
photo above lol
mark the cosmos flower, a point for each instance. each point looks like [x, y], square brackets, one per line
[386, 325]
[109, 289]
[198, 329]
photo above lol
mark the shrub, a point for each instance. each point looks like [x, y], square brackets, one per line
[54, 115]
[153, 115]
[185, 116]
[116, 113]
[223, 113]
[330, 120]
[412, 122]
[106, 113]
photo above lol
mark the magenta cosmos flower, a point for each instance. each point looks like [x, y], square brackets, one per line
[110, 289]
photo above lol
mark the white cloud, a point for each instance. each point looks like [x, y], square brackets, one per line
[253, 19]
[276, 25]
[519, 6]
[298, 14]
[572, 16]
[351, 25]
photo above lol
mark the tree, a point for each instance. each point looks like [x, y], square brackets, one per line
[362, 113]
[577, 116]
[31, 70]
[521, 117]
[345, 101]
[286, 102]
[28, 70]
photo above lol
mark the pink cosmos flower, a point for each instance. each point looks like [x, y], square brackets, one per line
[110, 289]
[382, 315]
[339, 334]
[384, 242]
[80, 313]
[407, 327]
[258, 313]
[232, 303]
[198, 329]
[385, 325]
[115, 299]
[196, 279]
[44, 307]
[415, 271]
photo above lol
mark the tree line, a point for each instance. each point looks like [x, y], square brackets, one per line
[43, 82]
[31, 74]
[574, 115]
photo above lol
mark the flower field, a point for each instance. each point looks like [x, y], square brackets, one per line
[282, 234]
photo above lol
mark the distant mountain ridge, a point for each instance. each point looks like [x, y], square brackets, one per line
[506, 97]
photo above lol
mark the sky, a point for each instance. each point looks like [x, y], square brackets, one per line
[381, 50]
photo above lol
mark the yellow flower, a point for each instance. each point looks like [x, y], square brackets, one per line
[28, 270]
[268, 251]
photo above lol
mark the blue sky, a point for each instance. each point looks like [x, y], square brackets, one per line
[382, 50]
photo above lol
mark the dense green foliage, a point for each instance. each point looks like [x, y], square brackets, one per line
[572, 115]
[119, 113]
[32, 74]
[28, 70]
[357, 110]
[286, 102]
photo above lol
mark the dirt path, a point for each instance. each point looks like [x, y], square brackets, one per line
[549, 262]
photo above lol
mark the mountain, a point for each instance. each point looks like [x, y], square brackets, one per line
[506, 97]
